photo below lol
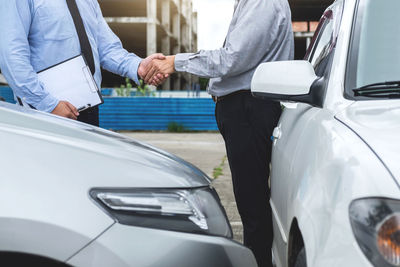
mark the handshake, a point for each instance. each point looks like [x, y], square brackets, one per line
[155, 69]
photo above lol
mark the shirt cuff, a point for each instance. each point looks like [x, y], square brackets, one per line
[48, 104]
[133, 70]
[181, 61]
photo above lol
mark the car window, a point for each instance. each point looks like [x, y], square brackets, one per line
[374, 55]
[322, 48]
[379, 50]
[324, 39]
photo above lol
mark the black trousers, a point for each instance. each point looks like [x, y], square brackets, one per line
[246, 124]
[90, 116]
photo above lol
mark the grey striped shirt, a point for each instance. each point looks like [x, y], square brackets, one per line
[260, 31]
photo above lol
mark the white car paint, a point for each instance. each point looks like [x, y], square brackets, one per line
[326, 157]
[377, 123]
[301, 72]
[323, 170]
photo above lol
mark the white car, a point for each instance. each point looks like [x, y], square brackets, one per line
[336, 154]
[75, 195]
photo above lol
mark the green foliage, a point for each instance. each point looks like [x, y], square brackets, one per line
[174, 127]
[217, 172]
[203, 83]
[144, 90]
[125, 89]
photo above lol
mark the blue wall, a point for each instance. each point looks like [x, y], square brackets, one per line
[7, 94]
[151, 113]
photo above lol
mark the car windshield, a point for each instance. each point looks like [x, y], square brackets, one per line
[375, 49]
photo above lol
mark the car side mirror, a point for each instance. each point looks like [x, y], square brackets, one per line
[287, 81]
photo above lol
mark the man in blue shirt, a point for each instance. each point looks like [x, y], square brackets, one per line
[37, 34]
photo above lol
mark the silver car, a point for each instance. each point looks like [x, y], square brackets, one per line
[76, 195]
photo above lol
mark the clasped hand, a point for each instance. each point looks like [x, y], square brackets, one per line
[155, 69]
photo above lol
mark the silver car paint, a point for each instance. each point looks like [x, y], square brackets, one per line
[147, 166]
[48, 166]
[132, 246]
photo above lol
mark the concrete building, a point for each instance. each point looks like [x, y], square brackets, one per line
[146, 27]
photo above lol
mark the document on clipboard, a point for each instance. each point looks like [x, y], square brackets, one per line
[72, 81]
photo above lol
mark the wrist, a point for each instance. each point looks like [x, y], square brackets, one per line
[173, 62]
[140, 71]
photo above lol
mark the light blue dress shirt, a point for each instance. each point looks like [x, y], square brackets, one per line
[36, 34]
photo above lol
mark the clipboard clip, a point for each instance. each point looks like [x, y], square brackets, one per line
[84, 108]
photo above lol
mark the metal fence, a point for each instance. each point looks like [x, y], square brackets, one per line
[148, 113]
[7, 94]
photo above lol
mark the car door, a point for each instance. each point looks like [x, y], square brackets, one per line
[292, 128]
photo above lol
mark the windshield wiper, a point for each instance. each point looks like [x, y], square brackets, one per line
[385, 90]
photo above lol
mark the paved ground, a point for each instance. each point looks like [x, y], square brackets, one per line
[206, 151]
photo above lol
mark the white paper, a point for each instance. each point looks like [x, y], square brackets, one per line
[72, 81]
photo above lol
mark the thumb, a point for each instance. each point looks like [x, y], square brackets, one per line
[158, 56]
[72, 108]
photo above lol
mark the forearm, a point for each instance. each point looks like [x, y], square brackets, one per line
[26, 86]
[210, 63]
[15, 56]
[249, 40]
[119, 61]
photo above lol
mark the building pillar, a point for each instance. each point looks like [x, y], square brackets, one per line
[189, 37]
[176, 32]
[166, 39]
[194, 31]
[151, 27]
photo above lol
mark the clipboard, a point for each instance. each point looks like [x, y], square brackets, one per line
[72, 81]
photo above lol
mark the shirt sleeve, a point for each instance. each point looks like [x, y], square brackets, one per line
[249, 41]
[15, 21]
[113, 57]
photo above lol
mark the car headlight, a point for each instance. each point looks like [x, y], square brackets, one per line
[192, 210]
[376, 226]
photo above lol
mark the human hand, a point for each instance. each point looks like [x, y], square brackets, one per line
[66, 109]
[163, 67]
[146, 65]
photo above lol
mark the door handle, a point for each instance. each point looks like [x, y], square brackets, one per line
[277, 134]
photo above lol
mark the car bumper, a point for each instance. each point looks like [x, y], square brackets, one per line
[122, 246]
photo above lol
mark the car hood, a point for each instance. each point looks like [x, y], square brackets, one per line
[378, 124]
[98, 158]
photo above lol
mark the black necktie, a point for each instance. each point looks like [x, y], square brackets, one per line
[83, 38]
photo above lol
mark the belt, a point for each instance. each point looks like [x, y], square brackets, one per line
[220, 98]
